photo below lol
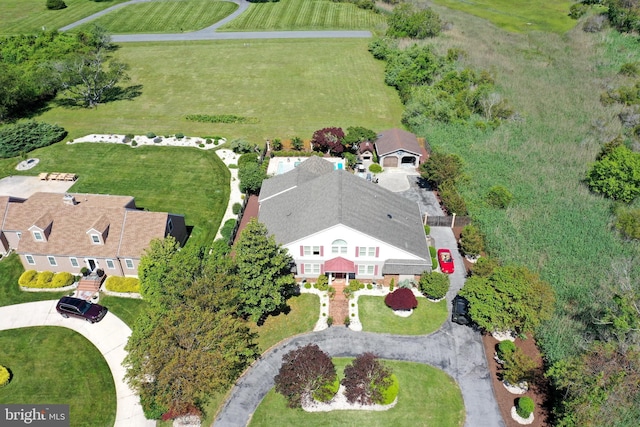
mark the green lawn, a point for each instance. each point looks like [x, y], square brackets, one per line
[25, 16]
[286, 15]
[377, 317]
[326, 83]
[302, 318]
[185, 181]
[58, 366]
[534, 15]
[10, 293]
[427, 397]
[166, 16]
[127, 309]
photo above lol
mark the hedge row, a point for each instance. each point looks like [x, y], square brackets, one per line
[45, 279]
[122, 284]
[222, 118]
[24, 137]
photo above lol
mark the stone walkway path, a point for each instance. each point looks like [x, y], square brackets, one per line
[339, 304]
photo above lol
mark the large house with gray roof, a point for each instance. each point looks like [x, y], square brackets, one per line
[66, 232]
[335, 223]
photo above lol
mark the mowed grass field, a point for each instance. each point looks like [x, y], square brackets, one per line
[377, 317]
[294, 87]
[427, 397]
[522, 16]
[555, 225]
[304, 15]
[54, 365]
[165, 16]
[26, 16]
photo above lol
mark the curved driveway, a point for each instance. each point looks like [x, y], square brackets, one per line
[209, 33]
[109, 335]
[455, 349]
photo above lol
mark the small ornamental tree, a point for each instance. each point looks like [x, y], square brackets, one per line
[401, 299]
[471, 241]
[328, 140]
[616, 175]
[297, 143]
[366, 381]
[525, 406]
[434, 285]
[306, 372]
[517, 366]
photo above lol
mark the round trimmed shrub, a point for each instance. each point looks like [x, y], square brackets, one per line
[307, 285]
[44, 279]
[134, 143]
[391, 392]
[327, 391]
[525, 406]
[27, 278]
[179, 135]
[62, 279]
[375, 168]
[505, 348]
[236, 208]
[499, 197]
[5, 376]
[323, 283]
[208, 141]
[151, 135]
[434, 285]
[401, 299]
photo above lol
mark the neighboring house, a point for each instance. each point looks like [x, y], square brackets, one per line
[335, 223]
[65, 232]
[397, 148]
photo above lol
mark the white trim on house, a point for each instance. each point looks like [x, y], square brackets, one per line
[128, 262]
[30, 259]
[52, 261]
[74, 262]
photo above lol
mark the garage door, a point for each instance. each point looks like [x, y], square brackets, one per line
[390, 162]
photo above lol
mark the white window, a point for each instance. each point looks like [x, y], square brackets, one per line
[74, 262]
[111, 265]
[339, 247]
[38, 236]
[30, 259]
[52, 261]
[312, 250]
[367, 251]
[129, 263]
[312, 269]
[95, 238]
[366, 269]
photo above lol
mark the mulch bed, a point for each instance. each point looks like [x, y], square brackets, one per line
[539, 390]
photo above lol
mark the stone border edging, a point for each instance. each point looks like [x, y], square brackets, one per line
[74, 285]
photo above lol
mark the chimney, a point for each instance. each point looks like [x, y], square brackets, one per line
[69, 199]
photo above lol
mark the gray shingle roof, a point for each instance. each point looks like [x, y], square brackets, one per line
[339, 197]
[305, 171]
[403, 266]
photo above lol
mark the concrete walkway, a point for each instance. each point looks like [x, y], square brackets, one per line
[209, 33]
[109, 336]
[453, 348]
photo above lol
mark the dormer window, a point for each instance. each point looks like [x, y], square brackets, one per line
[37, 235]
[95, 239]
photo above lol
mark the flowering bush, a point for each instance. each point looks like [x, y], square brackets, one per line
[4, 376]
[401, 299]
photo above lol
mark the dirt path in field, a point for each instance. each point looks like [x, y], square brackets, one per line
[209, 33]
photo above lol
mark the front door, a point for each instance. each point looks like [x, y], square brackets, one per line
[338, 275]
[91, 263]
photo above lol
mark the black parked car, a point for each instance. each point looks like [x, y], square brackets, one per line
[76, 307]
[460, 312]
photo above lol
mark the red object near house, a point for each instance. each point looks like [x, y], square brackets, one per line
[445, 260]
[401, 299]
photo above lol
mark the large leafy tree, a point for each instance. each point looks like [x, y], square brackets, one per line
[328, 140]
[407, 21]
[441, 168]
[251, 176]
[305, 373]
[190, 341]
[511, 298]
[89, 76]
[356, 135]
[366, 380]
[264, 270]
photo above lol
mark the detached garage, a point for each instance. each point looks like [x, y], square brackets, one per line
[398, 148]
